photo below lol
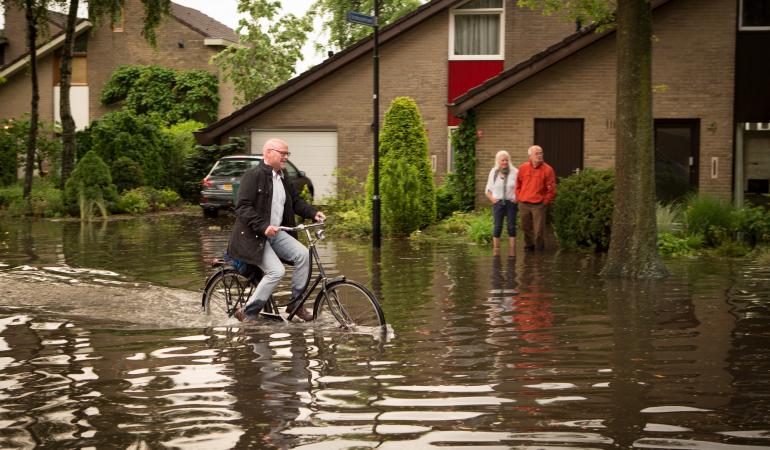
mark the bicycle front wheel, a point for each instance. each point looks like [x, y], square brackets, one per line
[226, 292]
[351, 304]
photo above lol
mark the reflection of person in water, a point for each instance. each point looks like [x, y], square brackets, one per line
[503, 288]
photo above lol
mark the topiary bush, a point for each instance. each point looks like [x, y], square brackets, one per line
[582, 211]
[403, 139]
[90, 187]
[462, 183]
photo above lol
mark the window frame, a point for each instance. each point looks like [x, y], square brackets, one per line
[457, 11]
[743, 27]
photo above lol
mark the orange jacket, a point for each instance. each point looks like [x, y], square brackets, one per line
[535, 184]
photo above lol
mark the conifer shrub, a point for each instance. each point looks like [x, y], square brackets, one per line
[404, 146]
[126, 174]
[90, 187]
[582, 211]
[710, 217]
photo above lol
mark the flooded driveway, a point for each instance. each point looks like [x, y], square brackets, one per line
[103, 345]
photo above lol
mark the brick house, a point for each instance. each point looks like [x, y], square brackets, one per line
[186, 39]
[534, 79]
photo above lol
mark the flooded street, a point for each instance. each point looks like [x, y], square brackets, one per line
[103, 345]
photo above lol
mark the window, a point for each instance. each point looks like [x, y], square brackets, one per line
[79, 70]
[755, 15]
[450, 151]
[476, 30]
[119, 24]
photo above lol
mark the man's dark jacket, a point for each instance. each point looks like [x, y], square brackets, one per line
[255, 198]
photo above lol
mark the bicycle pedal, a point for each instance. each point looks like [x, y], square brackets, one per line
[271, 316]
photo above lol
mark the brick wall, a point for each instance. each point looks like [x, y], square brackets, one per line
[108, 49]
[528, 32]
[692, 56]
[412, 65]
[16, 94]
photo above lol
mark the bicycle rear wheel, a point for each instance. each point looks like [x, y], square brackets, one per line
[351, 304]
[226, 292]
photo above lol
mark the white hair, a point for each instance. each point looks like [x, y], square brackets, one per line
[533, 148]
[499, 156]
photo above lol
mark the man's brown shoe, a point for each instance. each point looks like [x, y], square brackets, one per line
[304, 314]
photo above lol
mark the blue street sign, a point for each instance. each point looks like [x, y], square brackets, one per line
[361, 19]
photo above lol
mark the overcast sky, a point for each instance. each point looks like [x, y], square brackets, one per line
[225, 11]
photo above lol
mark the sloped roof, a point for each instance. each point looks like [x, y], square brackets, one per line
[537, 63]
[209, 135]
[202, 23]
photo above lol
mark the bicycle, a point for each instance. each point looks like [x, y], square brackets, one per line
[349, 302]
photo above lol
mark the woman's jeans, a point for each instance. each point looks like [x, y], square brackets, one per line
[500, 210]
[281, 246]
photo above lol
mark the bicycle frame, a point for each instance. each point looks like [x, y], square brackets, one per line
[321, 278]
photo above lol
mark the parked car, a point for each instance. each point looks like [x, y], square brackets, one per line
[220, 186]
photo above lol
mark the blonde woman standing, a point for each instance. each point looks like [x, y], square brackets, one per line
[501, 192]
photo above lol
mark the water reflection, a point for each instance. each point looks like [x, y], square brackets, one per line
[533, 351]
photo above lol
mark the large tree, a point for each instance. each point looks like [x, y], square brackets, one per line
[154, 10]
[633, 251]
[270, 48]
[343, 33]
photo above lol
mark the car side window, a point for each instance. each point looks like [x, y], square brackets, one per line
[291, 170]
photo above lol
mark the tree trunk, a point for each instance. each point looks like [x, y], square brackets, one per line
[65, 110]
[31, 15]
[633, 251]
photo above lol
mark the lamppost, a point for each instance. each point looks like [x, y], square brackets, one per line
[373, 21]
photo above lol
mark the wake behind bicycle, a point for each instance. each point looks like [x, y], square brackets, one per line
[349, 303]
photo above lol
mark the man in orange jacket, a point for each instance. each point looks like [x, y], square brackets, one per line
[535, 190]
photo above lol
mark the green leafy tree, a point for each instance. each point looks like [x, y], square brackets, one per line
[270, 48]
[633, 250]
[13, 135]
[90, 187]
[407, 172]
[172, 95]
[343, 33]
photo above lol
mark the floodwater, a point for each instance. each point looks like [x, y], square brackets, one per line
[532, 352]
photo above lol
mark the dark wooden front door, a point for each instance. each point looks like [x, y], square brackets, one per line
[562, 142]
[677, 143]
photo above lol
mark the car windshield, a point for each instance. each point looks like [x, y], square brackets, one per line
[233, 167]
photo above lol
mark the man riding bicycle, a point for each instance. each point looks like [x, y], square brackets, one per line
[267, 200]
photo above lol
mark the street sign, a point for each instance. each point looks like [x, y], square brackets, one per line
[361, 19]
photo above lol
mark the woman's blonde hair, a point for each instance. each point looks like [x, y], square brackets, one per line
[499, 156]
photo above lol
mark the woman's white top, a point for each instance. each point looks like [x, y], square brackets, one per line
[496, 180]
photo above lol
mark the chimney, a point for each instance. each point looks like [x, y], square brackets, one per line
[15, 31]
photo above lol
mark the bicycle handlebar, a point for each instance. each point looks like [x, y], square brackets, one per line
[302, 226]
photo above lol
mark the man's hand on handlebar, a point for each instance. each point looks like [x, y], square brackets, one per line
[271, 230]
[320, 217]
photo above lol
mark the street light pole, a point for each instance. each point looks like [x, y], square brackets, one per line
[376, 128]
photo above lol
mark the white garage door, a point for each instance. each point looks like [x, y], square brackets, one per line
[314, 152]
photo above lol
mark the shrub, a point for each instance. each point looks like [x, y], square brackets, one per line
[404, 146]
[126, 174]
[754, 223]
[447, 199]
[145, 198]
[672, 245]
[669, 218]
[45, 199]
[133, 201]
[480, 228]
[583, 210]
[9, 145]
[138, 138]
[90, 186]
[181, 145]
[354, 222]
[710, 217]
